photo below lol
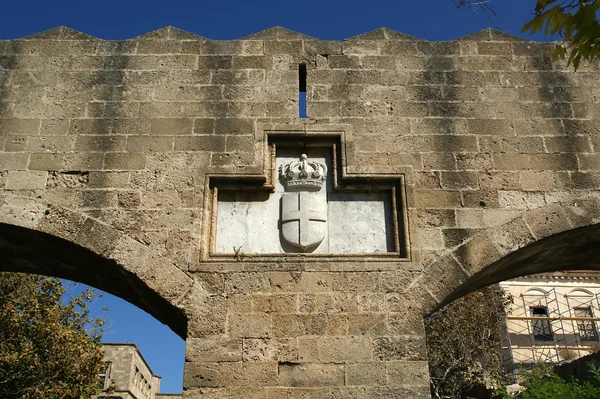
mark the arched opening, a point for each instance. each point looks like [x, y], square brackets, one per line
[554, 285]
[30, 251]
[576, 249]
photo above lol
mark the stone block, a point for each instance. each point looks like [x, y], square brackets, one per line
[213, 349]
[246, 283]
[283, 47]
[510, 236]
[400, 349]
[584, 180]
[108, 179]
[25, 180]
[61, 223]
[323, 47]
[250, 326]
[568, 144]
[355, 281]
[206, 315]
[158, 47]
[431, 239]
[344, 62]
[215, 62]
[124, 161]
[204, 126]
[414, 373]
[360, 47]
[128, 199]
[46, 161]
[15, 143]
[171, 126]
[73, 180]
[247, 77]
[589, 161]
[344, 349]
[514, 162]
[536, 180]
[553, 162]
[97, 237]
[240, 143]
[522, 145]
[51, 143]
[459, 180]
[409, 321]
[251, 62]
[480, 198]
[310, 374]
[547, 221]
[234, 126]
[336, 325]
[97, 199]
[469, 218]
[295, 325]
[494, 48]
[366, 373]
[20, 126]
[103, 143]
[149, 144]
[334, 303]
[367, 324]
[281, 350]
[444, 276]
[437, 199]
[477, 253]
[301, 281]
[230, 374]
[286, 303]
[490, 127]
[200, 143]
[98, 126]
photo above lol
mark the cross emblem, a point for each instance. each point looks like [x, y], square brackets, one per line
[304, 218]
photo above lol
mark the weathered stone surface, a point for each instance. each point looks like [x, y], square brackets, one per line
[110, 152]
[311, 374]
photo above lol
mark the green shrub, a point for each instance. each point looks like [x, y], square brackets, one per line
[542, 383]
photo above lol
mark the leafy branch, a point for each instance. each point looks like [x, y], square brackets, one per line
[575, 21]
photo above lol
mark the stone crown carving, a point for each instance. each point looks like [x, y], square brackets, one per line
[303, 174]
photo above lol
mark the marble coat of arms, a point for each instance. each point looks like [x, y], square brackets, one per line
[304, 204]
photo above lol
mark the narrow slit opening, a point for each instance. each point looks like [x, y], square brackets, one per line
[302, 90]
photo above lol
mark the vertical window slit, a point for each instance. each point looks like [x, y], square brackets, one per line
[302, 90]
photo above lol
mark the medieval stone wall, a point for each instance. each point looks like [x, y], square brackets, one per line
[112, 145]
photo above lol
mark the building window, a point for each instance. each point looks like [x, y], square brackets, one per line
[105, 376]
[542, 329]
[587, 328]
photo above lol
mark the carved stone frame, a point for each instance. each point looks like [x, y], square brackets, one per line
[336, 141]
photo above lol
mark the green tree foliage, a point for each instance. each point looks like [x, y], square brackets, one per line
[541, 383]
[464, 343]
[576, 21]
[49, 347]
[573, 21]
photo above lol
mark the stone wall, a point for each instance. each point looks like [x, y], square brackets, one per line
[115, 146]
[128, 373]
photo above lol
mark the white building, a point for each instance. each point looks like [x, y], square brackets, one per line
[554, 318]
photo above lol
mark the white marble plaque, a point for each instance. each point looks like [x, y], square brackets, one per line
[357, 222]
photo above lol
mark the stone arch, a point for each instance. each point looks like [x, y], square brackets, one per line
[38, 237]
[536, 292]
[579, 292]
[559, 236]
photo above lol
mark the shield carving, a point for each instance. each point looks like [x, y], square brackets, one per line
[304, 219]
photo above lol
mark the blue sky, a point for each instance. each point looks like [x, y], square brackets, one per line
[332, 20]
[335, 19]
